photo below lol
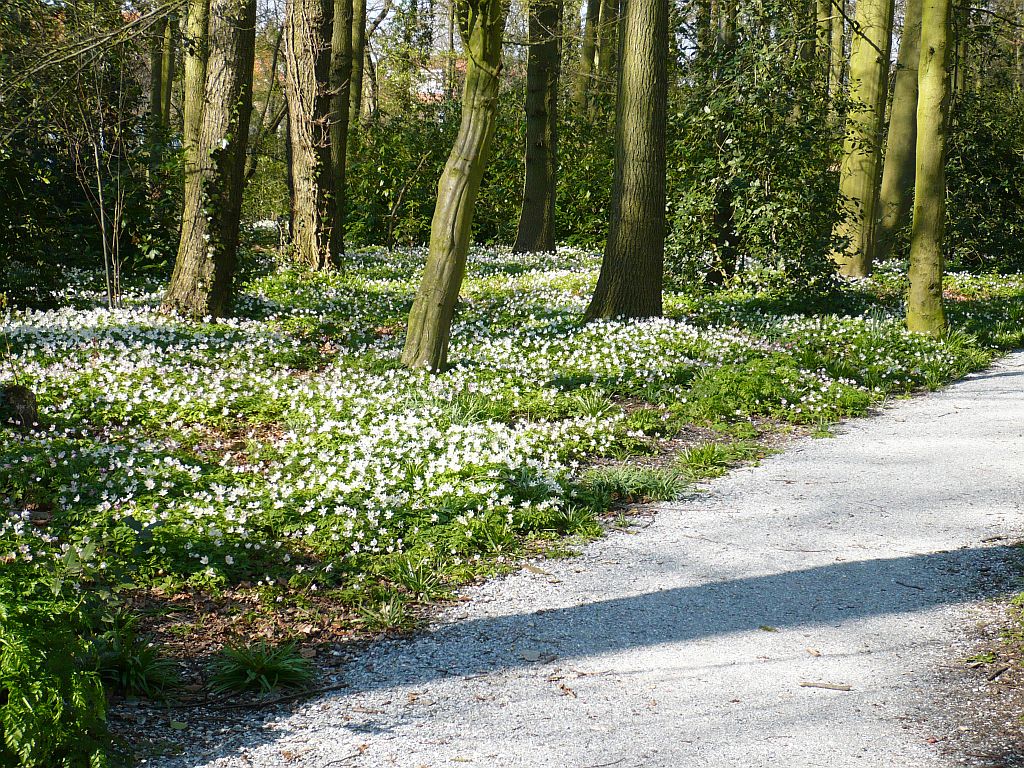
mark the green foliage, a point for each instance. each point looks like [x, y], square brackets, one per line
[751, 127]
[985, 181]
[52, 706]
[259, 667]
[386, 614]
[774, 387]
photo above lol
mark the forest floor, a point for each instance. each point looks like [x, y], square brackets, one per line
[277, 481]
[820, 609]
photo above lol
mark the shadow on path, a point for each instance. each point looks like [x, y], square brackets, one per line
[826, 595]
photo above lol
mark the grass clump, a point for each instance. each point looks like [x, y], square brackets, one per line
[712, 459]
[259, 667]
[627, 485]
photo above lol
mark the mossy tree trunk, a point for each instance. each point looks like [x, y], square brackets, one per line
[167, 67]
[481, 23]
[340, 81]
[588, 52]
[195, 45]
[924, 302]
[205, 265]
[896, 196]
[358, 56]
[725, 238]
[607, 44]
[536, 230]
[156, 72]
[307, 45]
[837, 53]
[860, 173]
[630, 282]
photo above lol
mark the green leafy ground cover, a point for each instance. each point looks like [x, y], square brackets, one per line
[280, 475]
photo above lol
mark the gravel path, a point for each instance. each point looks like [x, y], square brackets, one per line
[851, 562]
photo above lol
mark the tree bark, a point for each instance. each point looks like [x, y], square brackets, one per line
[167, 68]
[861, 165]
[536, 230]
[341, 74]
[725, 238]
[307, 42]
[358, 57]
[481, 23]
[196, 49]
[588, 52]
[896, 197]
[205, 266]
[837, 53]
[607, 44]
[630, 282]
[156, 69]
[924, 301]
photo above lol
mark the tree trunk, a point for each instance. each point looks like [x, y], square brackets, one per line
[205, 266]
[308, 89]
[588, 52]
[537, 215]
[195, 45]
[156, 69]
[607, 44]
[358, 56]
[837, 53]
[341, 73]
[632, 270]
[823, 36]
[963, 23]
[924, 301]
[896, 197]
[167, 68]
[725, 238]
[481, 23]
[860, 172]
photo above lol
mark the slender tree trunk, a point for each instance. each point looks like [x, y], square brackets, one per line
[308, 89]
[632, 271]
[196, 45]
[607, 44]
[924, 301]
[588, 53]
[896, 197]
[341, 73]
[725, 238]
[205, 266]
[837, 52]
[860, 173]
[481, 23]
[156, 70]
[358, 57]
[167, 68]
[705, 33]
[963, 18]
[537, 215]
[822, 39]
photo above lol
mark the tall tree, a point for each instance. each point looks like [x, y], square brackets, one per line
[725, 238]
[205, 265]
[896, 196]
[156, 70]
[607, 43]
[837, 53]
[481, 23]
[307, 45]
[536, 230]
[358, 56]
[167, 67]
[632, 271]
[196, 48]
[340, 81]
[924, 301]
[588, 53]
[859, 174]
